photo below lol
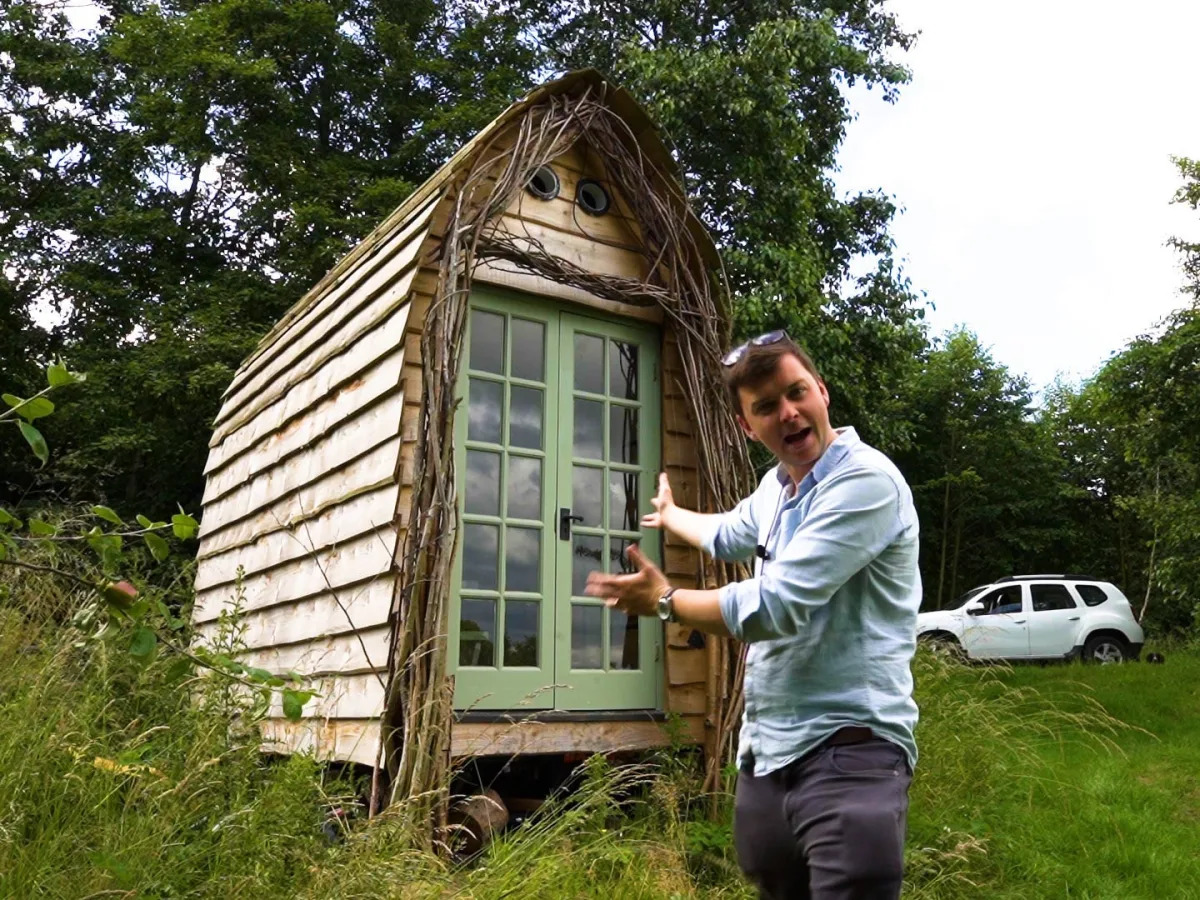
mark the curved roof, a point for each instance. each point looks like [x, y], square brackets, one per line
[617, 99]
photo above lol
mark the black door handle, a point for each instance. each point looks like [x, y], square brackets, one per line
[564, 522]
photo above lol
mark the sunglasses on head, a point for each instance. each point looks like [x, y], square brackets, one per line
[771, 337]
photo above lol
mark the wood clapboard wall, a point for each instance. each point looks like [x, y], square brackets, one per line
[309, 474]
[303, 485]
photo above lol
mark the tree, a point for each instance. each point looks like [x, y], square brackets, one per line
[751, 96]
[1146, 400]
[176, 180]
[1189, 195]
[984, 471]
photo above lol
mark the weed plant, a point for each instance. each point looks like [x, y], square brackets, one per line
[122, 778]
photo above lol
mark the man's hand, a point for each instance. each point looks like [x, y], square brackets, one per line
[663, 503]
[637, 593]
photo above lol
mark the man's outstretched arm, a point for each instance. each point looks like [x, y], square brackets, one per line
[736, 530]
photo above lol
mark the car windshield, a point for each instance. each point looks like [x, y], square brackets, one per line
[966, 598]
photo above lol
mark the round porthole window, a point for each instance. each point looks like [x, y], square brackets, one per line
[543, 184]
[592, 197]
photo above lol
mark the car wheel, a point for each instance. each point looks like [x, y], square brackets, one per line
[1104, 649]
[945, 646]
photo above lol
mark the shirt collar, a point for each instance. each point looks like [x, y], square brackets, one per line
[846, 439]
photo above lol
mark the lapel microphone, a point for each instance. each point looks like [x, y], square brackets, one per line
[761, 552]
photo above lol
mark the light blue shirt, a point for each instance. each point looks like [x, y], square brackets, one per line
[831, 615]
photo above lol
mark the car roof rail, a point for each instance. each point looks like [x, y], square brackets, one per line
[1049, 576]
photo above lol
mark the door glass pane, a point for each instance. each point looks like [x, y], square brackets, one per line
[622, 640]
[623, 434]
[622, 370]
[477, 633]
[483, 483]
[529, 350]
[524, 487]
[587, 495]
[623, 501]
[589, 429]
[618, 559]
[521, 632]
[487, 342]
[522, 559]
[586, 553]
[525, 418]
[483, 415]
[589, 363]
[481, 557]
[587, 624]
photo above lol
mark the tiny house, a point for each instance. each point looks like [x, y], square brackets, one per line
[412, 475]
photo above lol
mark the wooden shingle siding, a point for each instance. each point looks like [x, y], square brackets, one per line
[275, 545]
[325, 615]
[281, 498]
[303, 494]
[330, 306]
[350, 563]
[287, 371]
[354, 740]
[361, 651]
[357, 392]
[687, 665]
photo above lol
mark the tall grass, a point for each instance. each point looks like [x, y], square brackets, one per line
[126, 780]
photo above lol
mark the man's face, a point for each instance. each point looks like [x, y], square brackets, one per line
[789, 413]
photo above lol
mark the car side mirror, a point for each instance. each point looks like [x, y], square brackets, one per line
[975, 610]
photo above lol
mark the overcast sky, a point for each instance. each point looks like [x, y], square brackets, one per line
[1031, 157]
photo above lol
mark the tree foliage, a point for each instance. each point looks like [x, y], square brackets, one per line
[173, 181]
[751, 94]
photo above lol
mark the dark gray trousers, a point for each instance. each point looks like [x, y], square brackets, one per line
[829, 826]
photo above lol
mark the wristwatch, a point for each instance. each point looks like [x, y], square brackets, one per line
[666, 605]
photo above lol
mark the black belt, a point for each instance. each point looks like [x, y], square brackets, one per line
[851, 734]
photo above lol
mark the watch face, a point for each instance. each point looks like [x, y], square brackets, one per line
[664, 608]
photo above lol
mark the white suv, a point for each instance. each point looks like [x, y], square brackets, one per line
[1038, 617]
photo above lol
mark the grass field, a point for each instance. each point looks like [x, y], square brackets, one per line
[1119, 819]
[1057, 781]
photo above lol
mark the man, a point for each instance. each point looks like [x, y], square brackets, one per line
[826, 748]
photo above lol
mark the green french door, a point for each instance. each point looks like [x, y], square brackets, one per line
[557, 436]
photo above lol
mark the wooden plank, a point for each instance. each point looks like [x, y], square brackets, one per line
[679, 452]
[678, 635]
[355, 377]
[687, 699]
[353, 408]
[359, 652]
[393, 254]
[386, 291]
[512, 738]
[309, 355]
[684, 561]
[342, 697]
[354, 741]
[591, 256]
[508, 275]
[218, 564]
[359, 607]
[352, 563]
[685, 666]
[279, 498]
[563, 215]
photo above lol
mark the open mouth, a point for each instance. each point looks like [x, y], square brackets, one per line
[798, 437]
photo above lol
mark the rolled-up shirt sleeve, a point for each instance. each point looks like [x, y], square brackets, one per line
[853, 517]
[733, 535]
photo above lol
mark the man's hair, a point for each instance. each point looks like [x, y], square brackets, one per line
[759, 363]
